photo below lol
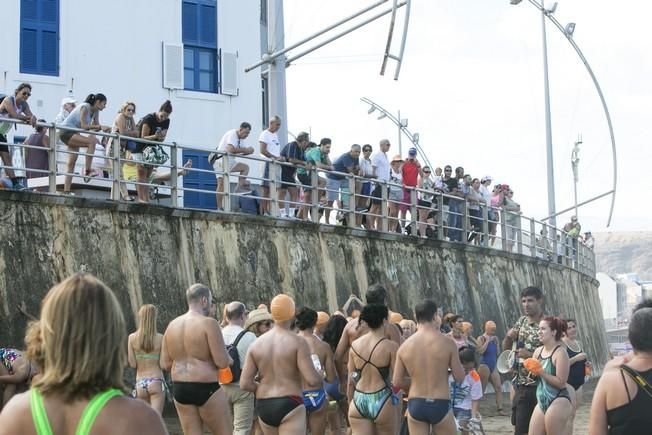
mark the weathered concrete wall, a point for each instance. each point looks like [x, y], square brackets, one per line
[152, 254]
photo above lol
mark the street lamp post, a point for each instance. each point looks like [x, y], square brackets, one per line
[575, 162]
[549, 154]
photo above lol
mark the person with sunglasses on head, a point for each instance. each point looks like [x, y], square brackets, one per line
[15, 107]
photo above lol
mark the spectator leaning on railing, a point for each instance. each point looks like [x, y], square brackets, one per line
[15, 107]
[232, 143]
[37, 158]
[153, 126]
[270, 149]
[410, 170]
[125, 125]
[86, 116]
[347, 163]
[319, 158]
[68, 104]
[294, 153]
[381, 166]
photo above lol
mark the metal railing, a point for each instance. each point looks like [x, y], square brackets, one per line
[428, 213]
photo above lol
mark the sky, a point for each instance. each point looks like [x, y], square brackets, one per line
[471, 85]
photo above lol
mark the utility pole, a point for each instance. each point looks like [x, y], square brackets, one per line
[549, 155]
[276, 71]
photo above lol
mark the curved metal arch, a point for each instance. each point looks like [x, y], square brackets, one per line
[570, 39]
[403, 129]
[398, 58]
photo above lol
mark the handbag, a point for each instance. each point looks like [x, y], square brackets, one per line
[155, 155]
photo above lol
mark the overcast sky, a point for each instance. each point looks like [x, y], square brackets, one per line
[471, 85]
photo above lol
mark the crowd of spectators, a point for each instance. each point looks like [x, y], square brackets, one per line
[404, 182]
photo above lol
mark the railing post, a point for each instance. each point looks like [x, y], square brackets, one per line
[465, 223]
[351, 219]
[533, 238]
[485, 225]
[314, 195]
[503, 229]
[414, 213]
[384, 208]
[174, 176]
[555, 247]
[115, 167]
[52, 159]
[273, 188]
[440, 216]
[226, 183]
[519, 236]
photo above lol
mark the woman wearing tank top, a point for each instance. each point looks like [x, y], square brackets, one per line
[555, 408]
[125, 125]
[79, 345]
[622, 401]
[86, 116]
[15, 107]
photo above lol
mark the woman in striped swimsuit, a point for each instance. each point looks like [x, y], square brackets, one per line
[144, 354]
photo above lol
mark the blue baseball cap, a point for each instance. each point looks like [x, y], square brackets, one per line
[412, 152]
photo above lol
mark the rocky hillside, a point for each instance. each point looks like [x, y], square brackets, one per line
[623, 252]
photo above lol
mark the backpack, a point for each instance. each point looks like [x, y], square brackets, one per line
[232, 350]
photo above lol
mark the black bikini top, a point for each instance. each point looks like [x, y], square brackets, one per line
[382, 371]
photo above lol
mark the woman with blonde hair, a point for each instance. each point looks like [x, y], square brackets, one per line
[79, 343]
[125, 125]
[144, 352]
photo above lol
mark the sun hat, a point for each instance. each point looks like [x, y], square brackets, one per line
[397, 158]
[255, 316]
[485, 178]
[68, 100]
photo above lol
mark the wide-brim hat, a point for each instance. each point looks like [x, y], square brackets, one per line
[258, 315]
[397, 158]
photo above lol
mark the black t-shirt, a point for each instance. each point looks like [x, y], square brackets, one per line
[153, 123]
[451, 185]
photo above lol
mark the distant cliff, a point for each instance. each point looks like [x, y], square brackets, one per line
[623, 252]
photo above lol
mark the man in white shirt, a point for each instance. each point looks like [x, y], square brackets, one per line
[380, 164]
[232, 142]
[270, 149]
[240, 402]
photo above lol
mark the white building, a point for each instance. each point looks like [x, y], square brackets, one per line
[192, 52]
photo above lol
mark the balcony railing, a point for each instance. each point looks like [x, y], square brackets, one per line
[449, 218]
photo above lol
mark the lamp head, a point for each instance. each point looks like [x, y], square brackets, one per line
[382, 115]
[570, 29]
[371, 110]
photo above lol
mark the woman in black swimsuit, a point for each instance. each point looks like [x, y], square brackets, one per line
[623, 398]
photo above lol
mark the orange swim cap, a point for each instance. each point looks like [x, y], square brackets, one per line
[282, 308]
[322, 318]
[395, 318]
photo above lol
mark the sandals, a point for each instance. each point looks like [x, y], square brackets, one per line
[89, 174]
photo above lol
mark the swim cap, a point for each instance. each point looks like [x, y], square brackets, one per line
[322, 318]
[282, 308]
[490, 324]
[395, 318]
[466, 326]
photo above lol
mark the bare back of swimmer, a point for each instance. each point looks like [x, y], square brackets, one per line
[422, 364]
[275, 366]
[193, 349]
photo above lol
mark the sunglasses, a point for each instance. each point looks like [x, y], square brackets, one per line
[448, 170]
[366, 151]
[426, 172]
[267, 323]
[131, 110]
[26, 94]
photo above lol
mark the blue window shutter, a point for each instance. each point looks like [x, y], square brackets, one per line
[28, 51]
[39, 37]
[189, 23]
[208, 28]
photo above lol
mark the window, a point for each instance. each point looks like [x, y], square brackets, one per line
[39, 37]
[199, 31]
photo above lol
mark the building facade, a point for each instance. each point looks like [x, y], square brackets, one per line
[192, 52]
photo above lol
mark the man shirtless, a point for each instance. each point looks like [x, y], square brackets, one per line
[193, 350]
[322, 358]
[422, 364]
[275, 366]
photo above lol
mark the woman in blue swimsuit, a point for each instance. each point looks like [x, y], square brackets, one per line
[555, 406]
[144, 354]
[488, 350]
[371, 362]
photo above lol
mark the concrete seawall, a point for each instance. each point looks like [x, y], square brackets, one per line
[150, 254]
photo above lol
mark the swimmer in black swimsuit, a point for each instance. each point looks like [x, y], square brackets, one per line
[275, 366]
